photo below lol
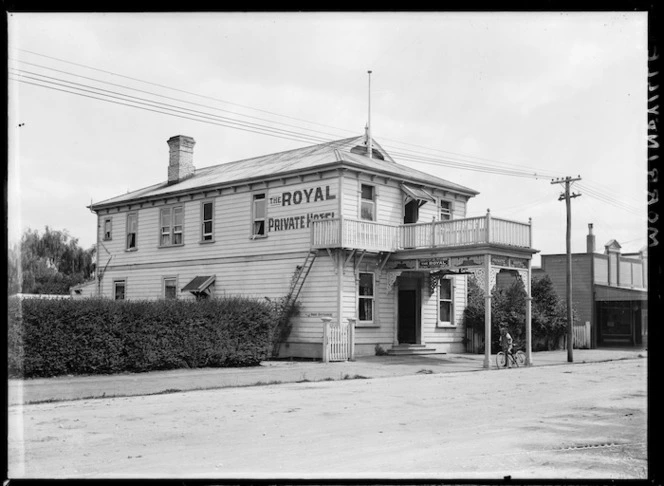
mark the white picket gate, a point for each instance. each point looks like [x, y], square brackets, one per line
[338, 340]
[582, 336]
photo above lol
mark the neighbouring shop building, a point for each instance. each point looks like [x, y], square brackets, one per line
[352, 233]
[609, 291]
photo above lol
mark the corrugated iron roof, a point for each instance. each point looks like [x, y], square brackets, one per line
[292, 161]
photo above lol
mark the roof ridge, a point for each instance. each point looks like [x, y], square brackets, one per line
[330, 143]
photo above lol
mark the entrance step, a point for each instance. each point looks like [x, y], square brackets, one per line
[411, 349]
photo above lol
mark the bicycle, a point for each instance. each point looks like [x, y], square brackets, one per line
[518, 359]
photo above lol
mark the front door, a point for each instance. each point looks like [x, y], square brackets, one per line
[407, 317]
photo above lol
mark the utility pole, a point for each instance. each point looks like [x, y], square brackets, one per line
[567, 197]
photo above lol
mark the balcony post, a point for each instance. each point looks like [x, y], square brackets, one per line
[351, 337]
[341, 231]
[488, 226]
[433, 231]
[530, 232]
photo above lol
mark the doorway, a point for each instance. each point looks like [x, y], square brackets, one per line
[408, 316]
[411, 212]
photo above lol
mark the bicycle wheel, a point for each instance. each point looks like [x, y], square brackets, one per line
[520, 358]
[500, 359]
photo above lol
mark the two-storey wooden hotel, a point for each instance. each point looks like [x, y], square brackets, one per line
[353, 234]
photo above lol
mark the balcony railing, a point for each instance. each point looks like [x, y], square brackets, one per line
[371, 236]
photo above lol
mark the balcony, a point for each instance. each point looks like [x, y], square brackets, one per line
[379, 237]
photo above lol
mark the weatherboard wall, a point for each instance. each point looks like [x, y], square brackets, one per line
[290, 210]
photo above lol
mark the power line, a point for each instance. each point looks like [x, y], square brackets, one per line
[175, 110]
[535, 175]
[174, 89]
[156, 94]
[162, 108]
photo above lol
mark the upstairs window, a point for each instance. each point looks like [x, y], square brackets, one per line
[172, 226]
[259, 213]
[132, 230]
[366, 297]
[207, 221]
[445, 210]
[368, 203]
[445, 302]
[108, 228]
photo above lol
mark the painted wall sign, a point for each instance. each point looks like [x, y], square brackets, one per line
[295, 222]
[301, 196]
[471, 261]
[434, 262]
[318, 314]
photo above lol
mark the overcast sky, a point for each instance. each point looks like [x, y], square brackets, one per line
[553, 94]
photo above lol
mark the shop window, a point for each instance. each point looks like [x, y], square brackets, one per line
[366, 297]
[207, 221]
[368, 203]
[132, 230]
[445, 302]
[119, 289]
[259, 215]
[172, 226]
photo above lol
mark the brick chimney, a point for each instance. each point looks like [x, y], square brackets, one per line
[590, 240]
[181, 158]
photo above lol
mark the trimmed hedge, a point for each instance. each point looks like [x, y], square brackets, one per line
[101, 336]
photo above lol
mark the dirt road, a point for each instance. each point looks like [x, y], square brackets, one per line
[570, 421]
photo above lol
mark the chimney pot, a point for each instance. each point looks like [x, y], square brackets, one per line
[181, 158]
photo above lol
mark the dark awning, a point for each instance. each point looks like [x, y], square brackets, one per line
[605, 293]
[199, 284]
[417, 194]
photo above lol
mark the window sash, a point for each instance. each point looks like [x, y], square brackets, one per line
[119, 289]
[172, 226]
[132, 230]
[207, 218]
[170, 288]
[366, 297]
[445, 210]
[446, 301]
[108, 228]
[367, 202]
[260, 211]
[178, 220]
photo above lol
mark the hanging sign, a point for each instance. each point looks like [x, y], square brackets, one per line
[434, 262]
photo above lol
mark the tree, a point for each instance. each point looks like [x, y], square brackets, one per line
[508, 306]
[549, 315]
[50, 263]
